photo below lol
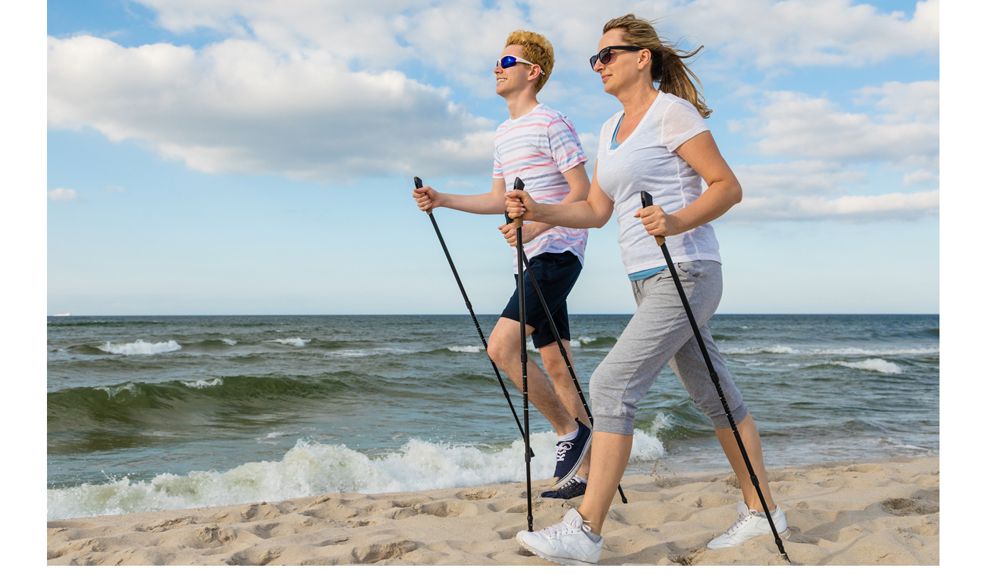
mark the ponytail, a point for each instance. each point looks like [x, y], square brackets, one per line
[676, 78]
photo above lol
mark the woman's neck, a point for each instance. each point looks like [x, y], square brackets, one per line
[637, 100]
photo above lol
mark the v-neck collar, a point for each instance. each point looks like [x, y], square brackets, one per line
[634, 130]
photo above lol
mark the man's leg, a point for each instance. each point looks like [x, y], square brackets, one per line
[505, 350]
[565, 389]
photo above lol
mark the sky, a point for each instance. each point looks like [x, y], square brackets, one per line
[256, 157]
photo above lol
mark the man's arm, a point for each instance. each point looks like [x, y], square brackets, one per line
[492, 202]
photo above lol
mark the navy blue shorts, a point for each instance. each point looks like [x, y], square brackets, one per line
[556, 274]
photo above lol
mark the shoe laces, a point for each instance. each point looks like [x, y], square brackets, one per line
[569, 485]
[739, 523]
[562, 448]
[562, 528]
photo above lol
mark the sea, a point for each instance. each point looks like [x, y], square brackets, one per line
[172, 412]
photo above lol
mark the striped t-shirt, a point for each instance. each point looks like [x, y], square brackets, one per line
[538, 147]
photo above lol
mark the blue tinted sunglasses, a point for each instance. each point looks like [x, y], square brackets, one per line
[508, 61]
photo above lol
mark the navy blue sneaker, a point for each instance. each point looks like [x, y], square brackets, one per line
[573, 488]
[569, 455]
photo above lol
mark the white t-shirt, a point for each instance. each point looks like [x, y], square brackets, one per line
[646, 161]
[538, 147]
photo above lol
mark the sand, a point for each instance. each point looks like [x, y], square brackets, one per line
[872, 513]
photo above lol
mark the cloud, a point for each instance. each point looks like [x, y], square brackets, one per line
[814, 190]
[903, 126]
[62, 194]
[851, 207]
[238, 106]
[825, 154]
[325, 89]
[460, 37]
[808, 32]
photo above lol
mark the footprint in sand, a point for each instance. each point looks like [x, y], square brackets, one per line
[435, 508]
[169, 524]
[477, 494]
[922, 503]
[255, 556]
[382, 551]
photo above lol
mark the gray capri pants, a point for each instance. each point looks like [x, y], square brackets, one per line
[660, 331]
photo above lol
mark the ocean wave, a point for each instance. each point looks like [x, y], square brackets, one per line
[877, 365]
[834, 351]
[587, 341]
[466, 348]
[203, 383]
[78, 417]
[140, 347]
[311, 468]
[369, 352]
[292, 341]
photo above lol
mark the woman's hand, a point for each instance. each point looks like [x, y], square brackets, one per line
[657, 222]
[520, 205]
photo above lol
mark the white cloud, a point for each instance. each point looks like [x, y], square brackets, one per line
[238, 106]
[809, 32]
[459, 37]
[314, 88]
[884, 206]
[811, 177]
[825, 154]
[813, 189]
[799, 125]
[62, 194]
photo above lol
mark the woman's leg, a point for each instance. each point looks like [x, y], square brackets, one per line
[751, 441]
[611, 450]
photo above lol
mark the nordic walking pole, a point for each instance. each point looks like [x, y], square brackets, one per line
[647, 200]
[519, 185]
[417, 182]
[562, 350]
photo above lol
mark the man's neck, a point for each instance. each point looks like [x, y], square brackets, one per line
[521, 103]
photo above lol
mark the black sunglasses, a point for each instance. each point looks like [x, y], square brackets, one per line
[605, 55]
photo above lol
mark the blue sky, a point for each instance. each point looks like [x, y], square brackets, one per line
[256, 157]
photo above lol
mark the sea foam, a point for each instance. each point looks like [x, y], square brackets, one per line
[878, 365]
[203, 383]
[312, 468]
[140, 347]
[292, 341]
[465, 348]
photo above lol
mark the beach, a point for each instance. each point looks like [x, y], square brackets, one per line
[870, 513]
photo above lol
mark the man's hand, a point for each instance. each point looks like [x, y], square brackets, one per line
[427, 198]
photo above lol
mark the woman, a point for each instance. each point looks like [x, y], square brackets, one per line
[658, 143]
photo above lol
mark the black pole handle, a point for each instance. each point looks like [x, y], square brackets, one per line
[647, 200]
[518, 185]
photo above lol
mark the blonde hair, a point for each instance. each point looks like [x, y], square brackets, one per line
[668, 67]
[537, 50]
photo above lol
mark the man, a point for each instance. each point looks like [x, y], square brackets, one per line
[540, 146]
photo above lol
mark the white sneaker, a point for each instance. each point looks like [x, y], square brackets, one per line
[750, 524]
[566, 543]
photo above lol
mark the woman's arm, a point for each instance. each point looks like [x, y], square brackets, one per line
[593, 212]
[579, 187]
[723, 192]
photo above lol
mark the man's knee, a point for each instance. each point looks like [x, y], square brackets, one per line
[503, 346]
[555, 363]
